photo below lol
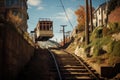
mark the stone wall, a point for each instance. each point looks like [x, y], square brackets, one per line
[15, 51]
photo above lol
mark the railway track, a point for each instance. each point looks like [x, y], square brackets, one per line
[71, 67]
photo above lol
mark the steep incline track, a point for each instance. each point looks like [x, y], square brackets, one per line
[70, 67]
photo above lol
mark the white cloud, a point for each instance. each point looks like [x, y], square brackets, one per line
[36, 3]
[62, 16]
[40, 8]
[70, 13]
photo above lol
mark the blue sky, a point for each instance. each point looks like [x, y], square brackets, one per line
[53, 9]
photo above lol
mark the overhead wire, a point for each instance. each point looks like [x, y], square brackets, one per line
[66, 13]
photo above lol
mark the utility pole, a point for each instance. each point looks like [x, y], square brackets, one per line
[106, 21]
[86, 25]
[63, 34]
[91, 16]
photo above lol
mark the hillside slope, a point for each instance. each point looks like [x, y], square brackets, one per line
[104, 47]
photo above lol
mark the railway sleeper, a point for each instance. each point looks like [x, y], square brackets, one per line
[70, 63]
[72, 67]
[76, 78]
[74, 70]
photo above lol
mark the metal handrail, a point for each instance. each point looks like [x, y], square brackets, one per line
[56, 64]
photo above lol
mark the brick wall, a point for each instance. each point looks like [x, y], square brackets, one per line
[114, 16]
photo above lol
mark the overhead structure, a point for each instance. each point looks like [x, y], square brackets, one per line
[44, 29]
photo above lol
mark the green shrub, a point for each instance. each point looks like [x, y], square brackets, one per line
[105, 40]
[98, 44]
[110, 46]
[114, 27]
[96, 51]
[97, 33]
[102, 42]
[105, 31]
[116, 49]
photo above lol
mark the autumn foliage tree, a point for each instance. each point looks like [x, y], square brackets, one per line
[80, 13]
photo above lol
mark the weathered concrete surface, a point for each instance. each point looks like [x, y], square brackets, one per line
[39, 68]
[15, 51]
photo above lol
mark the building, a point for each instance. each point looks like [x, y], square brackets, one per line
[15, 11]
[100, 15]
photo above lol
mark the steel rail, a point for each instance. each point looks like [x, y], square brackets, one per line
[83, 64]
[56, 64]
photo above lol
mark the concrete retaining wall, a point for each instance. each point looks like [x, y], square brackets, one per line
[15, 51]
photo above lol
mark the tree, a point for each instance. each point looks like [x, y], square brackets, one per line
[80, 13]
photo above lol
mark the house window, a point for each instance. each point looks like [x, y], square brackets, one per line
[100, 22]
[105, 20]
[9, 2]
[16, 2]
[23, 3]
[1, 3]
[105, 11]
[12, 3]
[99, 11]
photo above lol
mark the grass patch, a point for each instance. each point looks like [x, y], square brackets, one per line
[116, 48]
[99, 39]
[98, 44]
[97, 33]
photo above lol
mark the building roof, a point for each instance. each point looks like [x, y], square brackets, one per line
[101, 5]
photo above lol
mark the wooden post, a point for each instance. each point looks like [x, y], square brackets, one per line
[63, 34]
[86, 25]
[91, 16]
